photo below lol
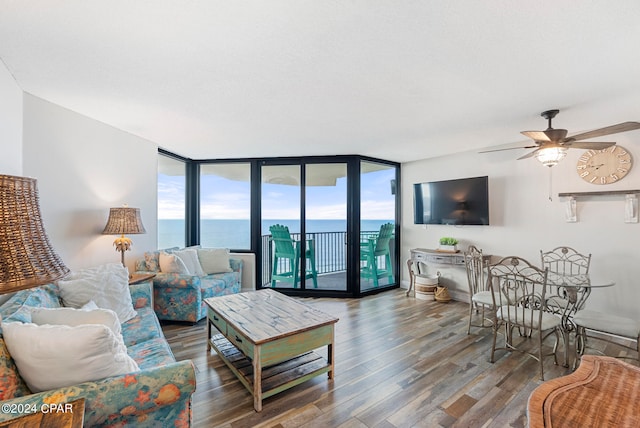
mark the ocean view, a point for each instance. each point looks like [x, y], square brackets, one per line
[235, 234]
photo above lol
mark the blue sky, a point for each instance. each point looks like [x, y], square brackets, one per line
[223, 198]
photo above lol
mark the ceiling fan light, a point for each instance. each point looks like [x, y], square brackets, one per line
[550, 156]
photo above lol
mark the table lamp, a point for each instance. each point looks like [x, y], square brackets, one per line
[123, 221]
[27, 258]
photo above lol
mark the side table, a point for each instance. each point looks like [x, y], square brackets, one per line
[137, 278]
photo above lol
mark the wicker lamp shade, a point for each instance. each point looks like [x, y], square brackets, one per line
[123, 220]
[27, 258]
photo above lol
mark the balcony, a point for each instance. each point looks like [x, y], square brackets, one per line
[330, 252]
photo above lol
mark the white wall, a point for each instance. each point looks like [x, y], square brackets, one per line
[83, 168]
[524, 220]
[10, 124]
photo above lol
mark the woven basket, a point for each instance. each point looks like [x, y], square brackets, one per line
[425, 288]
[442, 295]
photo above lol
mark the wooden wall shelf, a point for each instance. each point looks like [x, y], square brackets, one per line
[602, 193]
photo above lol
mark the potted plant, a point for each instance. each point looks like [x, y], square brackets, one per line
[449, 245]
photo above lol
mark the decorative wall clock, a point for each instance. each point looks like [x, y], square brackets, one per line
[604, 166]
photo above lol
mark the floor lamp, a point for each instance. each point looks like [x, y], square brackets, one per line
[27, 258]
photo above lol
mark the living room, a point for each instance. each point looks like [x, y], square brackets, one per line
[84, 165]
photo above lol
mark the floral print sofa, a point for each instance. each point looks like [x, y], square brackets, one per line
[180, 297]
[158, 395]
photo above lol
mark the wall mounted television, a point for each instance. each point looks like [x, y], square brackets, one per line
[463, 201]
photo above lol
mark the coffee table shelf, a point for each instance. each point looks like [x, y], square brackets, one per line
[269, 340]
[275, 378]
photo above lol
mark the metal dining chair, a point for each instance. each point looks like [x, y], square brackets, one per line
[608, 328]
[565, 262]
[480, 300]
[518, 289]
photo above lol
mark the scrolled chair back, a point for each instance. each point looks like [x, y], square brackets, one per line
[475, 266]
[565, 261]
[519, 290]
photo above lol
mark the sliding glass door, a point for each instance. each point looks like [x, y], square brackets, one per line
[303, 226]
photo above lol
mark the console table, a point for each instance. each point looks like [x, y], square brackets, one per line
[423, 255]
[433, 257]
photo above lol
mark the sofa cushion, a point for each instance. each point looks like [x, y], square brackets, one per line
[11, 383]
[214, 260]
[106, 285]
[18, 307]
[74, 317]
[89, 352]
[171, 263]
[189, 257]
[151, 353]
[143, 327]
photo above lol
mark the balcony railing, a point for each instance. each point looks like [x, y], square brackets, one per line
[330, 251]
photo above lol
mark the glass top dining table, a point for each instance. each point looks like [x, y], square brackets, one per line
[574, 290]
[567, 294]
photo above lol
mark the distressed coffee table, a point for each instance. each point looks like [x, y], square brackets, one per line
[269, 340]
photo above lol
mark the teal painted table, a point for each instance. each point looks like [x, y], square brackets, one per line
[270, 340]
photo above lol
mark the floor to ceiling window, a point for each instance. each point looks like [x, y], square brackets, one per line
[377, 225]
[225, 205]
[171, 201]
[324, 226]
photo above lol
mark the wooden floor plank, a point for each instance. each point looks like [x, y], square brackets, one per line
[399, 362]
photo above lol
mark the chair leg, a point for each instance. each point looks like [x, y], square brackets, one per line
[540, 360]
[580, 344]
[296, 272]
[493, 344]
[314, 272]
[374, 270]
[470, 315]
[274, 271]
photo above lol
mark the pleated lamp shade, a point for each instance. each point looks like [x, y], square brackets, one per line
[124, 221]
[27, 258]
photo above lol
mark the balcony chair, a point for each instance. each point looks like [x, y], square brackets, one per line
[286, 258]
[525, 308]
[372, 251]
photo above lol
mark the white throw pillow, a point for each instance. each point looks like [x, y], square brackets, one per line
[107, 286]
[170, 263]
[90, 305]
[214, 260]
[74, 317]
[55, 356]
[189, 257]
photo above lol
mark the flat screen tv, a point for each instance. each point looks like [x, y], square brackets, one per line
[463, 201]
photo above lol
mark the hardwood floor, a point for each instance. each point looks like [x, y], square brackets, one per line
[400, 362]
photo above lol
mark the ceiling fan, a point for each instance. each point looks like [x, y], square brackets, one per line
[551, 144]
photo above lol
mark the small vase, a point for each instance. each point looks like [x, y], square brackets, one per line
[449, 248]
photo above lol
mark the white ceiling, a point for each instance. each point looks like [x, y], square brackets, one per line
[398, 80]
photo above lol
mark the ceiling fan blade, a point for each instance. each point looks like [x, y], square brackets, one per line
[588, 145]
[528, 155]
[613, 129]
[536, 135]
[508, 148]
